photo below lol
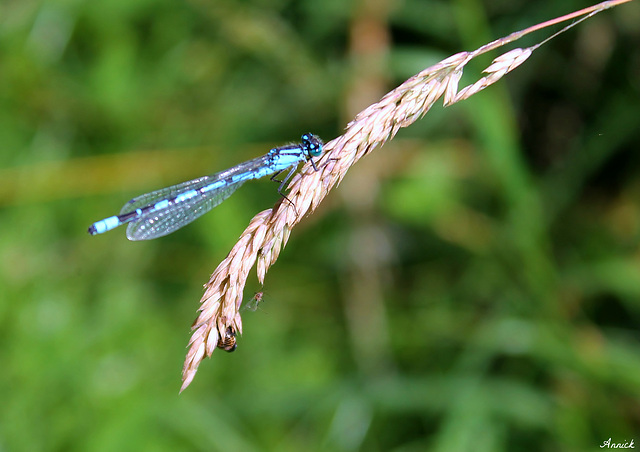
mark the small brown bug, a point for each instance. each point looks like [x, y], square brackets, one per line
[228, 342]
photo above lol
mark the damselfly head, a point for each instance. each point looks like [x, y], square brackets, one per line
[312, 145]
[228, 341]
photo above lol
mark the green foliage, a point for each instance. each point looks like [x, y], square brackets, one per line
[473, 285]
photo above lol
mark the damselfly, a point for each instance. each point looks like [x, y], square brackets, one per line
[164, 211]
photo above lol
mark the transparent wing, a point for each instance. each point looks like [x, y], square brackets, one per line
[162, 221]
[166, 193]
[245, 169]
[161, 214]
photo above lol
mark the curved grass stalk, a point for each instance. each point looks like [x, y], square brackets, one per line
[269, 230]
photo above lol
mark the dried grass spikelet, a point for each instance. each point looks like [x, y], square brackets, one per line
[269, 230]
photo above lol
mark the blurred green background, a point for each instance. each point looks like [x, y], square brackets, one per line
[472, 286]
